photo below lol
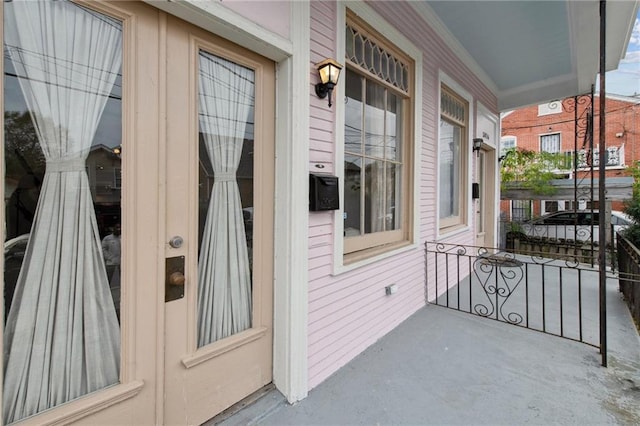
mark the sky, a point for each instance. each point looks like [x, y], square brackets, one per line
[626, 79]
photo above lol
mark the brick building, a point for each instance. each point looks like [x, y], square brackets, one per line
[560, 127]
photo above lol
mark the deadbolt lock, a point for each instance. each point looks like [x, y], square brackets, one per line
[176, 242]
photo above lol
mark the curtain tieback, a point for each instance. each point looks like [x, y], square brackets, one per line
[224, 177]
[65, 165]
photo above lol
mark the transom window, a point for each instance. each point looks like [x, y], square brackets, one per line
[377, 151]
[453, 154]
[370, 55]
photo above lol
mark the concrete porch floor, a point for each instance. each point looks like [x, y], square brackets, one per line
[446, 367]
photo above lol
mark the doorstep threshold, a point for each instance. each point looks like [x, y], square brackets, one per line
[250, 410]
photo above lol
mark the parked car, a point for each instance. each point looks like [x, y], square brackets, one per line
[14, 250]
[573, 225]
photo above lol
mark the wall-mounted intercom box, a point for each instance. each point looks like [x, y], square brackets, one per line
[323, 192]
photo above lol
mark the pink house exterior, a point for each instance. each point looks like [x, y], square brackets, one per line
[420, 82]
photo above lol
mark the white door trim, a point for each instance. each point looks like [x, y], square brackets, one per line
[291, 298]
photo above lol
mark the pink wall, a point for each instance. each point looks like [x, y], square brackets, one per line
[272, 15]
[350, 311]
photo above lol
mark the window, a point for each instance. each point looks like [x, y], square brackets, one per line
[521, 210]
[453, 153]
[550, 143]
[377, 142]
[117, 178]
[506, 143]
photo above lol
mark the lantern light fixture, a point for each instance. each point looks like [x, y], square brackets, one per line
[329, 71]
[477, 145]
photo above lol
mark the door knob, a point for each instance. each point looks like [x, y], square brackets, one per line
[176, 278]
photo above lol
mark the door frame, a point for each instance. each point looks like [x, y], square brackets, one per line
[292, 57]
[488, 128]
[212, 374]
[291, 227]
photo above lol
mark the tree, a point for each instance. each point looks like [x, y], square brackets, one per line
[22, 149]
[531, 170]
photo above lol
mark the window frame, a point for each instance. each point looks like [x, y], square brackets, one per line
[513, 207]
[372, 240]
[542, 135]
[508, 138]
[387, 36]
[461, 220]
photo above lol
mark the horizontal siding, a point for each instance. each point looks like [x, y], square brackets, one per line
[350, 311]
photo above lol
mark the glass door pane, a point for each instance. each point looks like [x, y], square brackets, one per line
[62, 124]
[226, 100]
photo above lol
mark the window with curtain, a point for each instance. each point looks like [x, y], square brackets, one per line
[453, 149]
[550, 143]
[226, 114]
[377, 154]
[62, 123]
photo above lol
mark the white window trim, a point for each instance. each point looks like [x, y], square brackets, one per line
[371, 17]
[515, 141]
[444, 79]
[541, 135]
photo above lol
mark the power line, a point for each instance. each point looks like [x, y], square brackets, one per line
[565, 121]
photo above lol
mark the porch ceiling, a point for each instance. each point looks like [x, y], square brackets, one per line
[527, 51]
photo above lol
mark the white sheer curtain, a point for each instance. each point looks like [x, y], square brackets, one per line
[224, 277]
[62, 338]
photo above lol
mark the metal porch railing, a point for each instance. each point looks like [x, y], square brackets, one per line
[553, 296]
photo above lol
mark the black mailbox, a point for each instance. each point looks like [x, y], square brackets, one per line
[323, 192]
[475, 191]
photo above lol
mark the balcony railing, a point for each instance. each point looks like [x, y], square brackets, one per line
[614, 157]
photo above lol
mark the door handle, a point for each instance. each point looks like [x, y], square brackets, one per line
[174, 280]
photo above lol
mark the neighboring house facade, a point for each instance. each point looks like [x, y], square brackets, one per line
[203, 122]
[555, 127]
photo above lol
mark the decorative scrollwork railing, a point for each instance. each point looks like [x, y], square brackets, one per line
[532, 290]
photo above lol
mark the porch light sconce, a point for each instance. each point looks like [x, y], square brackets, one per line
[477, 145]
[329, 71]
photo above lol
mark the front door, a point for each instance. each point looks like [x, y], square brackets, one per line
[138, 164]
[486, 176]
[481, 228]
[219, 220]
